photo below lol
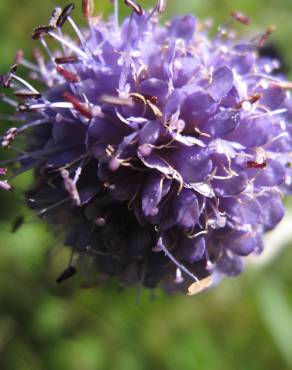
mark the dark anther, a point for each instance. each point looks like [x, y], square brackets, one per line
[69, 272]
[65, 14]
[253, 164]
[40, 32]
[5, 80]
[69, 76]
[78, 105]
[17, 223]
[66, 60]
[152, 99]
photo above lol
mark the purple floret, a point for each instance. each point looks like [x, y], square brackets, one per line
[161, 153]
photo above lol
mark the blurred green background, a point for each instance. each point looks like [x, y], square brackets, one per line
[245, 323]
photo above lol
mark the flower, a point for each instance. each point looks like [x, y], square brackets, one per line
[161, 153]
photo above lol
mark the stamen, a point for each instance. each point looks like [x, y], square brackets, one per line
[178, 276]
[3, 171]
[240, 17]
[25, 83]
[160, 6]
[8, 137]
[69, 76]
[171, 257]
[77, 175]
[18, 57]
[42, 106]
[79, 34]
[116, 14]
[32, 124]
[55, 17]
[6, 186]
[200, 285]
[115, 100]
[135, 6]
[27, 94]
[70, 45]
[67, 60]
[9, 101]
[41, 31]
[87, 8]
[65, 14]
[45, 210]
[78, 105]
[17, 223]
[5, 80]
[45, 46]
[253, 164]
[264, 37]
[250, 99]
[69, 272]
[36, 154]
[71, 187]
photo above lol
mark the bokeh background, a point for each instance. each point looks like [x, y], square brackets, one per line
[244, 324]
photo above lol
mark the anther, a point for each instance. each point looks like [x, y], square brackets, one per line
[17, 223]
[135, 6]
[253, 164]
[200, 285]
[264, 38]
[240, 17]
[78, 105]
[54, 17]
[69, 272]
[87, 8]
[65, 14]
[67, 60]
[27, 94]
[69, 76]
[40, 32]
[5, 80]
[71, 187]
[250, 100]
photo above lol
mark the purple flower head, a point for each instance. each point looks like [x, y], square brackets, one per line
[161, 153]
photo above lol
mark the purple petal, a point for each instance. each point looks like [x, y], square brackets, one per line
[186, 209]
[222, 83]
[272, 175]
[183, 27]
[252, 132]
[152, 193]
[192, 249]
[222, 123]
[154, 88]
[197, 108]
